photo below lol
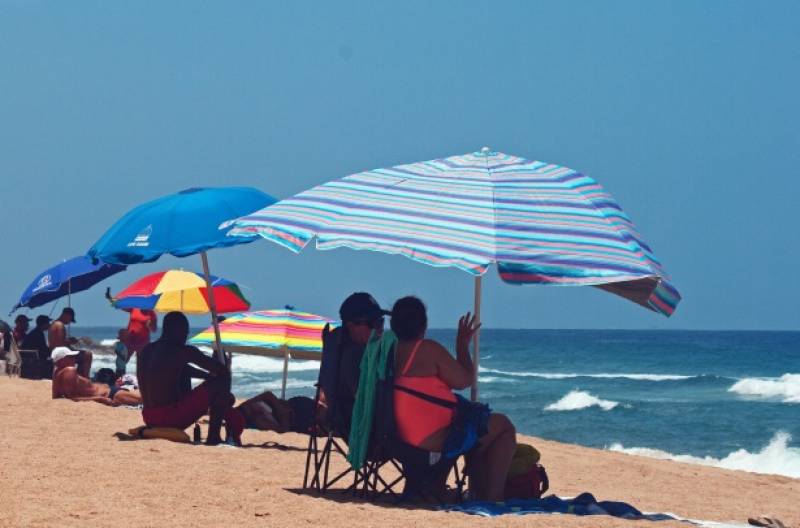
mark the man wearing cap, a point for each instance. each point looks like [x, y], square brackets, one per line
[57, 337]
[35, 340]
[360, 314]
[68, 383]
[21, 324]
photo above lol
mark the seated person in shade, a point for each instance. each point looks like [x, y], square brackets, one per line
[21, 325]
[360, 314]
[162, 369]
[425, 366]
[36, 340]
[267, 412]
[68, 383]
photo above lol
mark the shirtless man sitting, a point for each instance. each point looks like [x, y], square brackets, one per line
[162, 369]
[57, 337]
[68, 383]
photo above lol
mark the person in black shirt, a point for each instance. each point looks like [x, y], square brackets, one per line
[360, 314]
[36, 340]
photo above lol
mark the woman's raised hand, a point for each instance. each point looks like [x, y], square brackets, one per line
[466, 328]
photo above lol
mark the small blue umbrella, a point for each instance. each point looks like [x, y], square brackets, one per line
[68, 277]
[180, 224]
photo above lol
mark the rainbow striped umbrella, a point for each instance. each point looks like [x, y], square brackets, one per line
[182, 291]
[540, 223]
[281, 333]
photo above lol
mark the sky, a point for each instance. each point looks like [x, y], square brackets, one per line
[685, 111]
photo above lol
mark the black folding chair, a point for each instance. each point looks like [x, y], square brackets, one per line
[386, 452]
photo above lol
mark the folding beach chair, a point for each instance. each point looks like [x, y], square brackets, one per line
[328, 437]
[13, 357]
[386, 455]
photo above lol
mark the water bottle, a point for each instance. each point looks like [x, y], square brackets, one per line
[196, 433]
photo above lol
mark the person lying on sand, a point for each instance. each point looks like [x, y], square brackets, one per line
[267, 412]
[161, 369]
[68, 383]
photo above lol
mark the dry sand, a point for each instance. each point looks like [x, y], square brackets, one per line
[61, 465]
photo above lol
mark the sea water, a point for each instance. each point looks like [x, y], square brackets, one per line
[727, 399]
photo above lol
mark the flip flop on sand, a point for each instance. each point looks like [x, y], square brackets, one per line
[766, 521]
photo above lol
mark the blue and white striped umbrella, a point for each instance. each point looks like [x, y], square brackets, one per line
[540, 223]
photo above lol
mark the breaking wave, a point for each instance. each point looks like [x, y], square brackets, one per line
[577, 399]
[603, 375]
[776, 458]
[786, 388]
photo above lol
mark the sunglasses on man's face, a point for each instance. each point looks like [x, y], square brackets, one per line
[372, 323]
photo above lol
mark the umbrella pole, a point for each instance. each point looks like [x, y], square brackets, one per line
[476, 339]
[285, 371]
[213, 306]
[69, 303]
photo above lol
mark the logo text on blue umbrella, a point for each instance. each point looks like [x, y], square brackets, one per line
[143, 238]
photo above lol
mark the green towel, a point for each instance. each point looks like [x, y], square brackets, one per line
[373, 367]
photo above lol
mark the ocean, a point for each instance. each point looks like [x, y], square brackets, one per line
[727, 399]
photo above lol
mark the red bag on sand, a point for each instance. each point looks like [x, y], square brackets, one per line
[529, 485]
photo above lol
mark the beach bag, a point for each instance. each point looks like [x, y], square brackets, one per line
[527, 479]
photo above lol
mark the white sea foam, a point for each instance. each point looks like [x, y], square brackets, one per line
[577, 399]
[776, 458]
[495, 379]
[786, 388]
[291, 383]
[602, 375]
[108, 342]
[262, 364]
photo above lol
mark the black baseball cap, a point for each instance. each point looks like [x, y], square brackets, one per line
[42, 319]
[361, 305]
[22, 317]
[69, 311]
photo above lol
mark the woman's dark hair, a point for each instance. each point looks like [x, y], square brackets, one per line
[409, 318]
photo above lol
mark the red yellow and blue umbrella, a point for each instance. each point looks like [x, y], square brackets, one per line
[181, 291]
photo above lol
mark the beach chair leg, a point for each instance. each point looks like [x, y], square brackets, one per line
[308, 460]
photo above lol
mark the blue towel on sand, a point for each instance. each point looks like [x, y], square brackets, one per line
[583, 504]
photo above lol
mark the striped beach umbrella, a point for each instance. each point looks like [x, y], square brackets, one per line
[540, 223]
[181, 291]
[280, 333]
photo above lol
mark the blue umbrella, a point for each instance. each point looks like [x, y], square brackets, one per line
[68, 277]
[180, 224]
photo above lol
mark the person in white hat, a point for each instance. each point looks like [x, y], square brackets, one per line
[68, 383]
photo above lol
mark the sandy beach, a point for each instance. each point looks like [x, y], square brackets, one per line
[63, 466]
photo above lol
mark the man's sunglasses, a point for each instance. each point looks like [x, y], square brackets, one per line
[372, 323]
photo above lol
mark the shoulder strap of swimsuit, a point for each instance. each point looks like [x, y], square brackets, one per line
[411, 358]
[427, 397]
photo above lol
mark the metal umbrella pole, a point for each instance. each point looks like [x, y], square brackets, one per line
[476, 339]
[285, 370]
[213, 306]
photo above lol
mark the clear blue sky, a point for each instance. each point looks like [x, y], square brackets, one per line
[687, 112]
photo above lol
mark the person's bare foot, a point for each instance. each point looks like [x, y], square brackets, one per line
[766, 521]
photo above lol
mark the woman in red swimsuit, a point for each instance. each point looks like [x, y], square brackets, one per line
[140, 325]
[425, 366]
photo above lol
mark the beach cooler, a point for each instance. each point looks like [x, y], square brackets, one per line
[527, 479]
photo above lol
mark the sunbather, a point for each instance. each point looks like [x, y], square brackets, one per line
[162, 369]
[68, 383]
[267, 412]
[424, 366]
